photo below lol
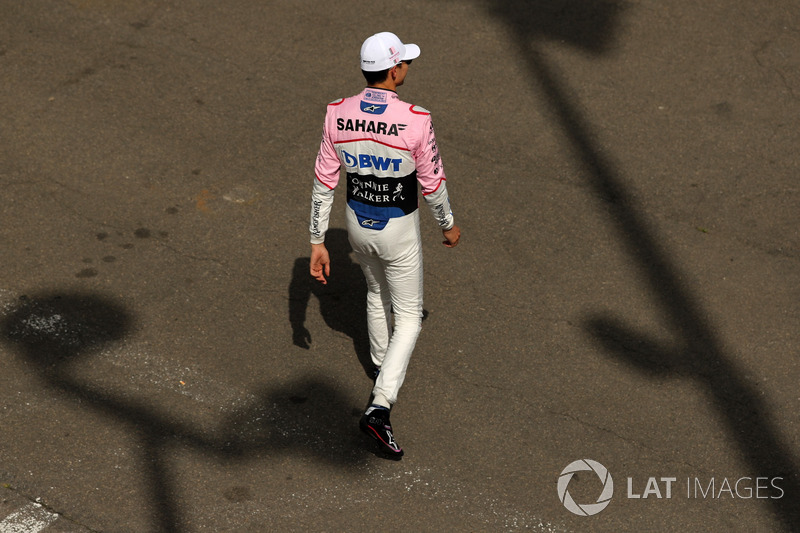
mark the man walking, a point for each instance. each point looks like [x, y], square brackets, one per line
[387, 146]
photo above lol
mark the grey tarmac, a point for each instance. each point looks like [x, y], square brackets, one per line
[625, 293]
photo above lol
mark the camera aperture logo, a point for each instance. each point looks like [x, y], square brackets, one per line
[586, 509]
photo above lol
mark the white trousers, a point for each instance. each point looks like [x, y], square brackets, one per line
[391, 260]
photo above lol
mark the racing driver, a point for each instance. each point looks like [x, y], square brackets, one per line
[387, 147]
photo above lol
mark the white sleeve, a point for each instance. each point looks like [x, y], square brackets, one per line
[439, 203]
[321, 202]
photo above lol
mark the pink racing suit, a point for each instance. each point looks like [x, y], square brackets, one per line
[387, 146]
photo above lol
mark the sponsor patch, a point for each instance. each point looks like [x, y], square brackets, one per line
[371, 161]
[369, 126]
[371, 223]
[374, 109]
[375, 96]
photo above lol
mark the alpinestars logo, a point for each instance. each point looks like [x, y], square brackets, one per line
[373, 109]
[587, 509]
[392, 443]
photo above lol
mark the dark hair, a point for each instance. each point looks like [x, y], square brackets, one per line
[375, 77]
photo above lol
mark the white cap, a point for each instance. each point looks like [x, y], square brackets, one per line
[384, 50]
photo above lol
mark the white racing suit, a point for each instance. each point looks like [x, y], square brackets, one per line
[386, 146]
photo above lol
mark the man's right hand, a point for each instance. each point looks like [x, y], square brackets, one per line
[320, 263]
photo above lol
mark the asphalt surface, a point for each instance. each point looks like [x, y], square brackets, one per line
[626, 290]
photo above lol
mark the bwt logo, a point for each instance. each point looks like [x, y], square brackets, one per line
[371, 161]
[586, 509]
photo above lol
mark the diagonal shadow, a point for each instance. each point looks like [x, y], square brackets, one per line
[697, 352]
[57, 333]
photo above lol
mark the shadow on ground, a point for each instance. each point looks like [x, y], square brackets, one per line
[57, 334]
[342, 302]
[697, 352]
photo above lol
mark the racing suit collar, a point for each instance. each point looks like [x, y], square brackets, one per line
[369, 87]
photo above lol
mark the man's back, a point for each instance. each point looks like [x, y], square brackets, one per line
[386, 146]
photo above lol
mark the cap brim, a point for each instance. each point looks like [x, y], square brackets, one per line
[412, 52]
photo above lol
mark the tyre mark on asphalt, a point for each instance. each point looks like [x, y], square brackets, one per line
[31, 518]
